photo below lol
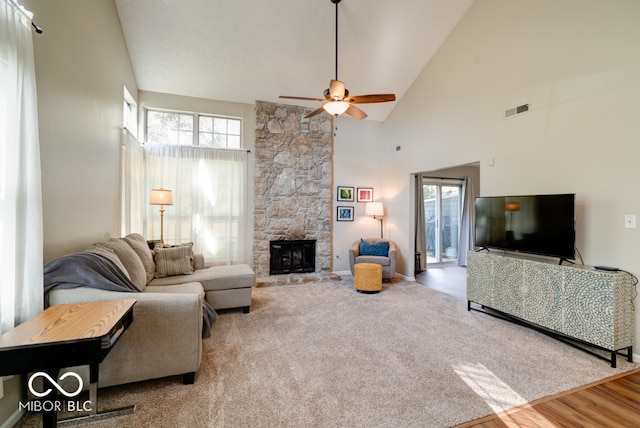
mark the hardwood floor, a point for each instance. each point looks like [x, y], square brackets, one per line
[612, 402]
[448, 279]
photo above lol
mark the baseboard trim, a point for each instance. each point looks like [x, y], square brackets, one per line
[13, 419]
[343, 273]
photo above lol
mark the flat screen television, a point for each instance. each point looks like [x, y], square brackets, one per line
[535, 224]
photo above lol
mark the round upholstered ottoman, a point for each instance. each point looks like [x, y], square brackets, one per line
[367, 277]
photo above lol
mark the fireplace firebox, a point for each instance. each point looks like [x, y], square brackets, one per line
[292, 256]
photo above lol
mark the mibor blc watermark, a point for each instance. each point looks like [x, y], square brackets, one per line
[55, 404]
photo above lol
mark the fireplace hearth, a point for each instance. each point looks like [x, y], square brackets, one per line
[292, 256]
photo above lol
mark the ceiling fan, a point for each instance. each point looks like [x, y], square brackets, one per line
[336, 97]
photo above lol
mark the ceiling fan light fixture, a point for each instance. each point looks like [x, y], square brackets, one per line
[336, 108]
[336, 96]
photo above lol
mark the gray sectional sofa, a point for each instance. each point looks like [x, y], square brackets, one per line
[165, 338]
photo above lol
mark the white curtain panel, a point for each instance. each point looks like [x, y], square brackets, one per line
[467, 222]
[209, 200]
[132, 192]
[21, 282]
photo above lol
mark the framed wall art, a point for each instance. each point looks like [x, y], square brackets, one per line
[345, 214]
[365, 194]
[345, 194]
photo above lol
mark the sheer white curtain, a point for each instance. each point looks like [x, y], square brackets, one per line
[209, 199]
[132, 181]
[21, 288]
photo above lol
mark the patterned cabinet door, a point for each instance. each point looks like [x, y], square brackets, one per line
[480, 278]
[624, 309]
[543, 294]
[509, 285]
[599, 308]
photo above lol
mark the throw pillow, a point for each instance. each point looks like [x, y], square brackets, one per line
[110, 254]
[129, 259]
[187, 244]
[175, 260]
[140, 246]
[374, 249]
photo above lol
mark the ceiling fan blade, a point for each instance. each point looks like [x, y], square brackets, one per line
[355, 112]
[302, 98]
[315, 112]
[374, 98]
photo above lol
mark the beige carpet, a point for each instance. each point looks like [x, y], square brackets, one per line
[323, 355]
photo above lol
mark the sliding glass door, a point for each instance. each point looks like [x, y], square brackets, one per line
[442, 208]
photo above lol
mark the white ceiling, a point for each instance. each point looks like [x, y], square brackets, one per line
[248, 50]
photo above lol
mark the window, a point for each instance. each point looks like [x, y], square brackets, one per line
[219, 132]
[129, 112]
[209, 199]
[165, 127]
[197, 156]
[193, 129]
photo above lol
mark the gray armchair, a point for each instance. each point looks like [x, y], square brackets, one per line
[388, 261]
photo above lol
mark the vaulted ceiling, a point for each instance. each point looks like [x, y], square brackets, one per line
[248, 50]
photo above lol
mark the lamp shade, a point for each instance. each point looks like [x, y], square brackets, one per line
[161, 197]
[336, 107]
[375, 209]
[512, 206]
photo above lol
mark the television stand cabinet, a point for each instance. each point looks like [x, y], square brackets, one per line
[574, 302]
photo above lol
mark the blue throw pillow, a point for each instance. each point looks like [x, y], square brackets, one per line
[371, 249]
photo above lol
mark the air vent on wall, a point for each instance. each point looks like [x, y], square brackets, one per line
[517, 110]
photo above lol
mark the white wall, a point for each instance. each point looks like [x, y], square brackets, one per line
[578, 63]
[356, 163]
[82, 64]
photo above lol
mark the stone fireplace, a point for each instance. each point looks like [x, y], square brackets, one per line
[293, 178]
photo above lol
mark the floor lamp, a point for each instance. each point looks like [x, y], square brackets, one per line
[375, 209]
[161, 197]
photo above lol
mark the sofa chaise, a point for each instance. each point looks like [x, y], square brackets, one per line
[165, 338]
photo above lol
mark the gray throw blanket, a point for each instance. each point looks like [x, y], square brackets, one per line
[87, 269]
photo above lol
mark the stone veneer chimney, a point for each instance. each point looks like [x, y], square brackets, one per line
[293, 178]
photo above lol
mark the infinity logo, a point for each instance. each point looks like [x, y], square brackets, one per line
[54, 383]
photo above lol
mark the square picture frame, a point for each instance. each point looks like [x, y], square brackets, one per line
[344, 214]
[365, 194]
[345, 193]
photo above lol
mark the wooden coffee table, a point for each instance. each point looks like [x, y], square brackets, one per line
[65, 336]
